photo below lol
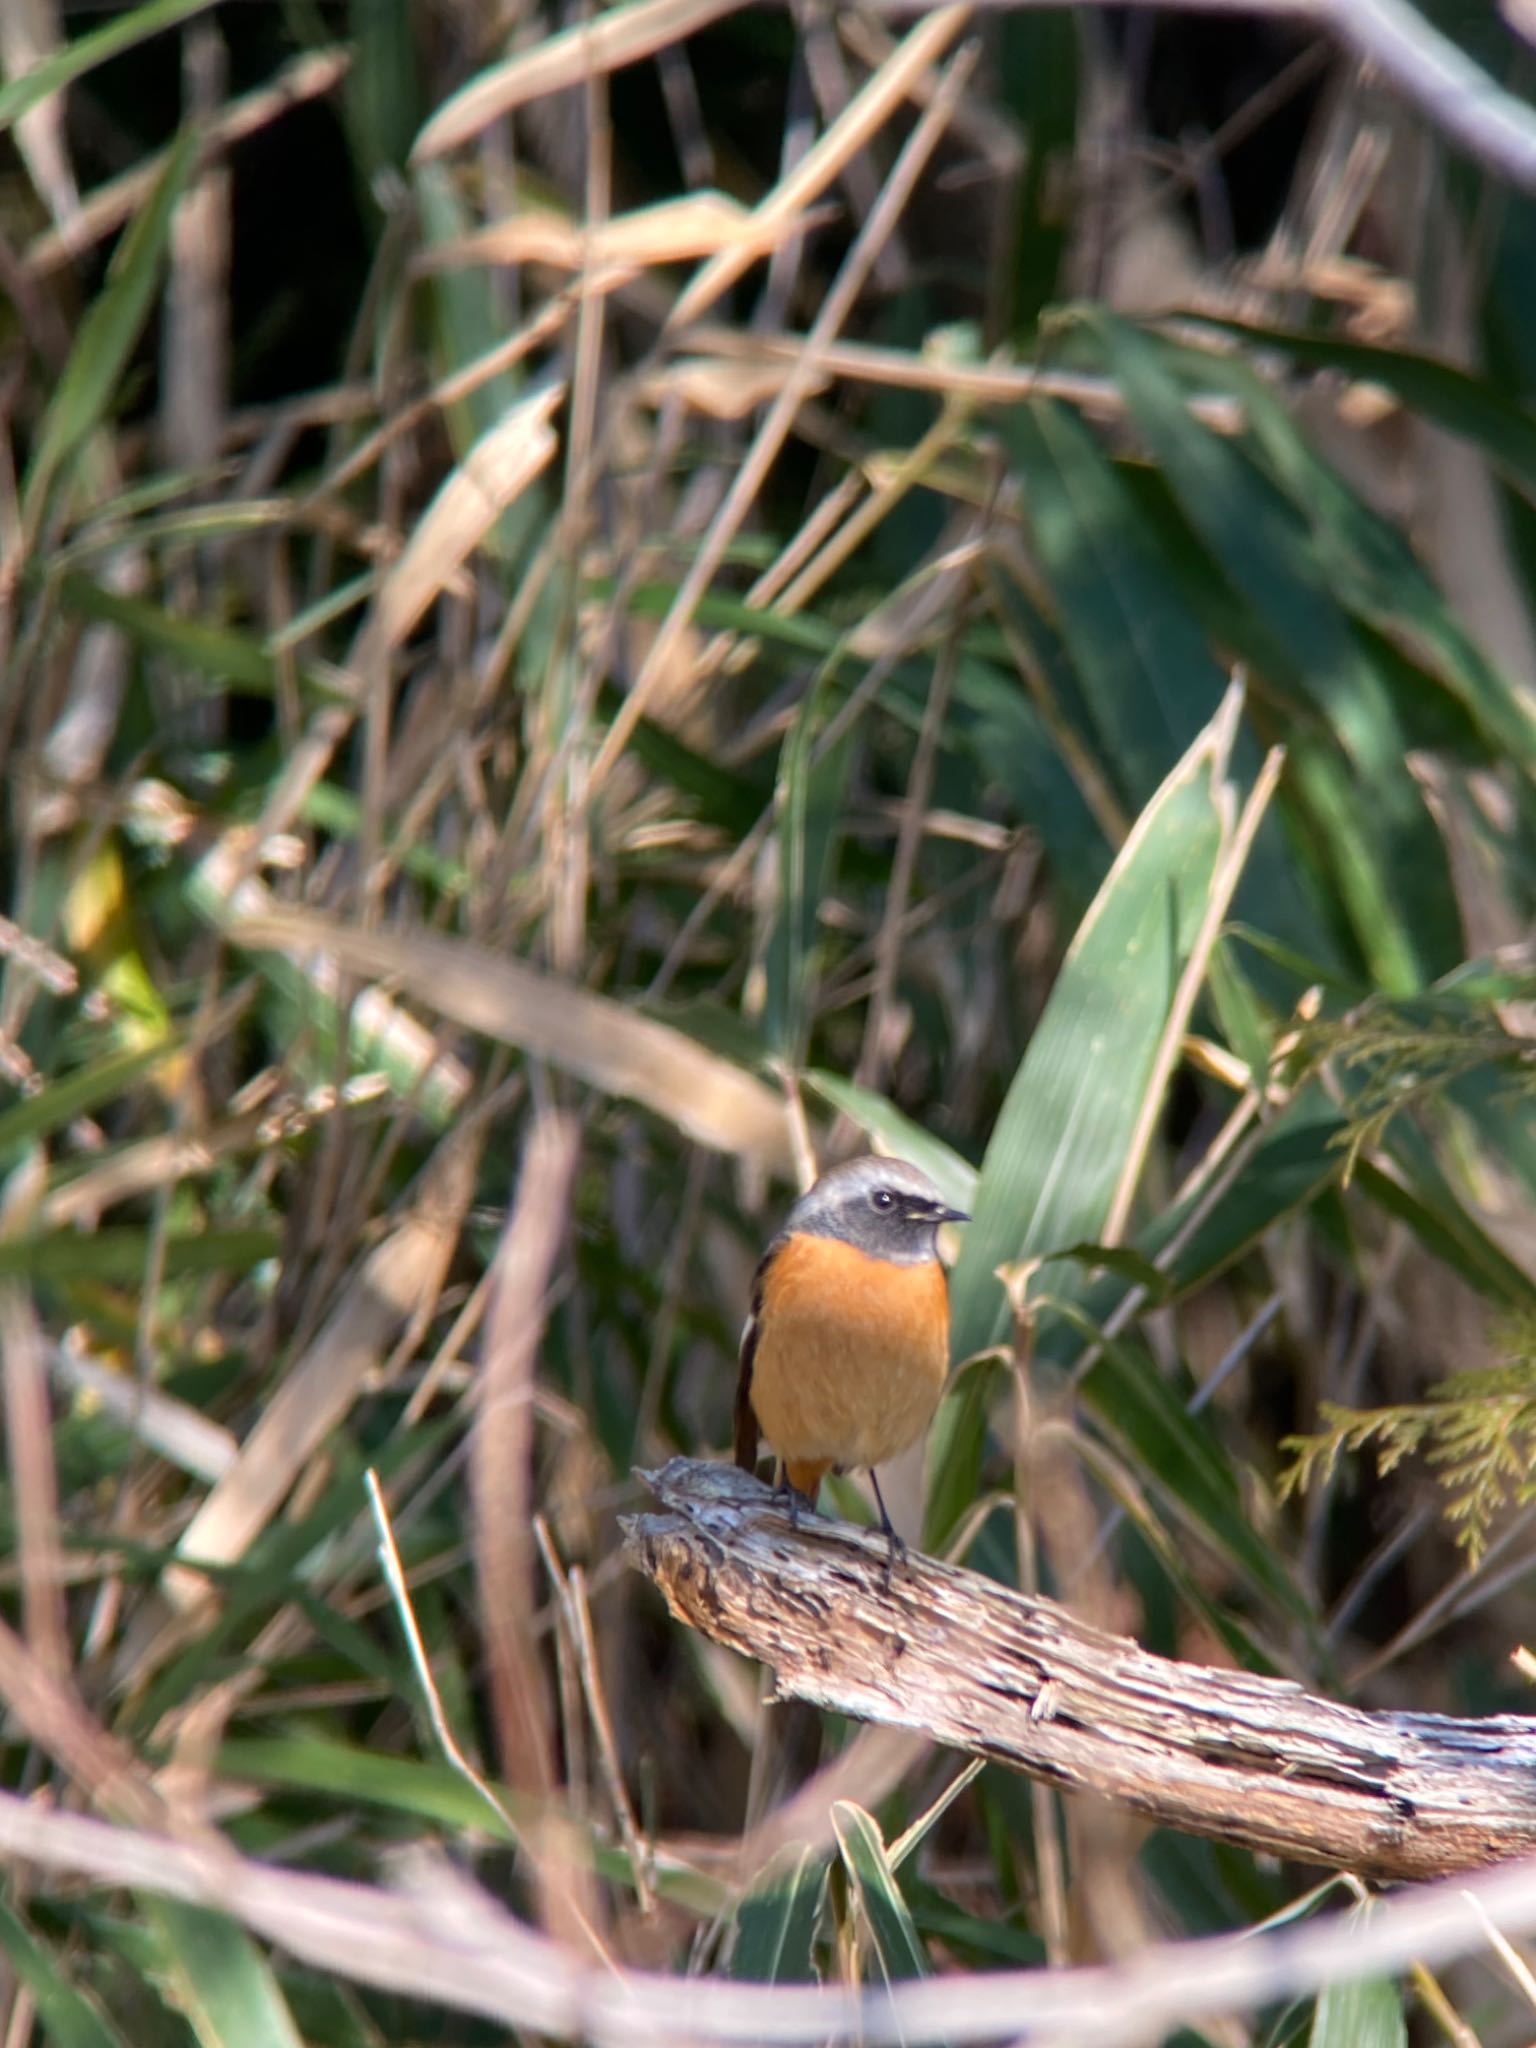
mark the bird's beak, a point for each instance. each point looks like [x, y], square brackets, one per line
[942, 1215]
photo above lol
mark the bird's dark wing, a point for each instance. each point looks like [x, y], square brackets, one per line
[746, 1414]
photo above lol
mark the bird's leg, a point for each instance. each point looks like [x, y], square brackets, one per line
[793, 1498]
[898, 1549]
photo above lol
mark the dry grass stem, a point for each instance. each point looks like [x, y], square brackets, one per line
[921, 47]
[400, 1594]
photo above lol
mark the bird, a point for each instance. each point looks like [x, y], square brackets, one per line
[846, 1345]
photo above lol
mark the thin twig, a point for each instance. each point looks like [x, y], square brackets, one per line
[447, 1943]
[394, 1578]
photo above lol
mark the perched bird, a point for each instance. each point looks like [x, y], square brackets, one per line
[846, 1346]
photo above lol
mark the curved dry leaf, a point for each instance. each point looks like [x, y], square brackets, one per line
[672, 231]
[622, 36]
[721, 390]
[499, 467]
[614, 1048]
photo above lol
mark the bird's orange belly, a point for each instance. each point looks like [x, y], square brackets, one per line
[853, 1355]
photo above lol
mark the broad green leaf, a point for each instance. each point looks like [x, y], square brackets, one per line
[58, 1103]
[1143, 661]
[382, 96]
[776, 1920]
[957, 1444]
[1076, 1113]
[214, 1973]
[1412, 1187]
[1062, 1139]
[110, 329]
[353, 1775]
[954, 1177]
[897, 1945]
[1121, 1259]
[1294, 1159]
[979, 1938]
[124, 1253]
[1264, 549]
[228, 659]
[467, 327]
[1473, 407]
[17, 95]
[1371, 568]
[1017, 750]
[1364, 2015]
[1035, 64]
[67, 2017]
[812, 801]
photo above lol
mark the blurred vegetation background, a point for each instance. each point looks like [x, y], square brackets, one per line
[593, 604]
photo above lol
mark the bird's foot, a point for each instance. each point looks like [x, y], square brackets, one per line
[796, 1502]
[896, 1549]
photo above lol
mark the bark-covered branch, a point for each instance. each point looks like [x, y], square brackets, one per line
[957, 1657]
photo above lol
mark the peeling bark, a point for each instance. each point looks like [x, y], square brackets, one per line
[956, 1657]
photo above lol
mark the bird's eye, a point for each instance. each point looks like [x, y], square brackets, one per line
[883, 1198]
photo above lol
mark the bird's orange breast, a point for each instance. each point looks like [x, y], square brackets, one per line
[852, 1355]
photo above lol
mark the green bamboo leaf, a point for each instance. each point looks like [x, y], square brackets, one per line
[1364, 2015]
[124, 1254]
[1076, 1118]
[1354, 871]
[68, 2018]
[467, 326]
[213, 1973]
[1016, 750]
[59, 1102]
[382, 97]
[1120, 1259]
[813, 782]
[17, 95]
[954, 1177]
[226, 657]
[776, 1920]
[1035, 74]
[1144, 663]
[1411, 1185]
[1264, 549]
[1470, 406]
[1062, 1140]
[1371, 568]
[349, 1776]
[354, 1776]
[1296, 1158]
[897, 1945]
[110, 329]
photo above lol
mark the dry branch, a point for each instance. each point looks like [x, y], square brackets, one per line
[443, 1941]
[967, 1662]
